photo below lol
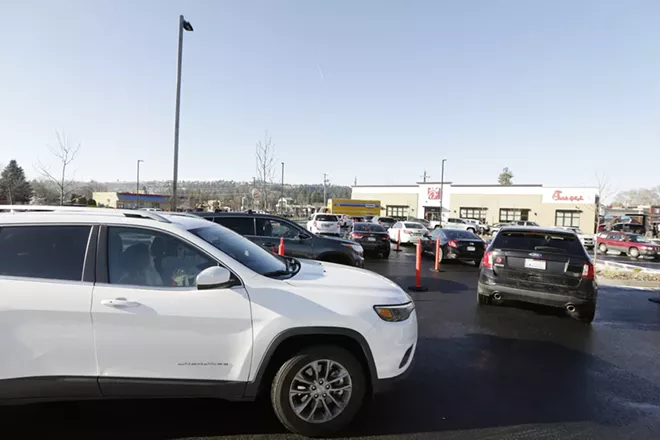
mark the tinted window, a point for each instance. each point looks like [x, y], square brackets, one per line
[275, 228]
[542, 241]
[386, 219]
[51, 252]
[240, 225]
[452, 234]
[413, 226]
[240, 249]
[141, 257]
[326, 218]
[370, 227]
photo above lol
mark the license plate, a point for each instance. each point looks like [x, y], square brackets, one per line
[534, 264]
[471, 248]
[327, 226]
[371, 239]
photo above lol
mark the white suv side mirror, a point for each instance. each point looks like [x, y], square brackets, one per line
[214, 277]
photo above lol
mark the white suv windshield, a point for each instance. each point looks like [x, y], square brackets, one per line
[241, 249]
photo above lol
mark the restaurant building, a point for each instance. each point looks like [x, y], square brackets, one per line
[545, 205]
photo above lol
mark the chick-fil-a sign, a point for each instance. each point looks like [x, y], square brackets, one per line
[568, 195]
[559, 196]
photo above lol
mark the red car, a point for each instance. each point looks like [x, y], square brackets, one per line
[634, 245]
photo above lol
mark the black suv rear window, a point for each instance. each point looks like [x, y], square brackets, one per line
[371, 227]
[326, 218]
[386, 219]
[543, 241]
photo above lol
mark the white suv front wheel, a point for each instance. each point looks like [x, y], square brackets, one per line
[318, 391]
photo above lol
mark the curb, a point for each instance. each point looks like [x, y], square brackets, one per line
[628, 283]
[625, 267]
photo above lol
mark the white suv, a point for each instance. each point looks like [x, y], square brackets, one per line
[321, 223]
[101, 303]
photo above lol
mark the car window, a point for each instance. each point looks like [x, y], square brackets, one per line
[368, 227]
[397, 225]
[142, 257]
[386, 219]
[413, 226]
[241, 225]
[50, 252]
[539, 241]
[460, 234]
[636, 238]
[275, 228]
[326, 218]
[250, 255]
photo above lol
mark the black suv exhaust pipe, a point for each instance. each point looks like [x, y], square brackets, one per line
[570, 308]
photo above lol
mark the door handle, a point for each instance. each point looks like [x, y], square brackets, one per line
[119, 302]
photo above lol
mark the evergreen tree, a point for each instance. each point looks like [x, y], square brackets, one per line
[14, 187]
[506, 177]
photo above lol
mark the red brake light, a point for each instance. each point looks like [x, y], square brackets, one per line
[379, 222]
[487, 260]
[452, 243]
[315, 224]
[354, 235]
[588, 271]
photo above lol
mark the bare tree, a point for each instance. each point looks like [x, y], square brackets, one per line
[66, 153]
[265, 167]
[604, 188]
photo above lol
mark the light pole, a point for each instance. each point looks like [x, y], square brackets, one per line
[442, 187]
[325, 182]
[137, 185]
[183, 26]
[282, 197]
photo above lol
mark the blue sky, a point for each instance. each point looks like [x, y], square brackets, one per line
[381, 90]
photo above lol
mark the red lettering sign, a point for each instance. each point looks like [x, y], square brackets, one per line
[558, 196]
[433, 193]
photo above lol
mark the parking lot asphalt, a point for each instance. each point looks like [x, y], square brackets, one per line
[650, 264]
[481, 373]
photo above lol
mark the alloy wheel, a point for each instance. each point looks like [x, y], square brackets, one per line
[320, 391]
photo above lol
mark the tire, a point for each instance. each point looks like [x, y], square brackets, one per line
[386, 255]
[283, 401]
[484, 300]
[602, 248]
[633, 252]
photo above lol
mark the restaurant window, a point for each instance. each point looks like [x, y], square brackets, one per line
[474, 213]
[399, 212]
[512, 215]
[567, 218]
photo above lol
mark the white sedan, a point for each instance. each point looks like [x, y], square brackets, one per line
[407, 232]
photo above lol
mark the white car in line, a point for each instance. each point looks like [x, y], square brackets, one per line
[459, 223]
[103, 303]
[325, 224]
[407, 232]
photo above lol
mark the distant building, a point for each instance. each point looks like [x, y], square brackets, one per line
[128, 200]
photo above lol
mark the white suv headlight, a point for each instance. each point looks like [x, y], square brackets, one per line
[395, 313]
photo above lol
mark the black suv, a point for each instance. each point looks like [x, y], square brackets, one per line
[539, 265]
[266, 230]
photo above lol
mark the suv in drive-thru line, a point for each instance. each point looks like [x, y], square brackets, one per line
[324, 224]
[103, 303]
[266, 230]
[537, 265]
[459, 223]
